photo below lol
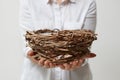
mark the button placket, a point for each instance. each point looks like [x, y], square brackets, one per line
[58, 24]
[58, 17]
[58, 74]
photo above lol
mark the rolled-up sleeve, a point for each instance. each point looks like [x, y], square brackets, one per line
[90, 19]
[25, 22]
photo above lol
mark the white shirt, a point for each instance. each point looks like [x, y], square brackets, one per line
[37, 14]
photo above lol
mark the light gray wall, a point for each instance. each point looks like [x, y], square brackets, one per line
[105, 66]
[11, 56]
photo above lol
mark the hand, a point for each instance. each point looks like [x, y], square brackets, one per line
[41, 62]
[72, 65]
[30, 54]
[76, 64]
[46, 63]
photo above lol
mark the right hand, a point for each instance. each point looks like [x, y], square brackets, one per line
[42, 62]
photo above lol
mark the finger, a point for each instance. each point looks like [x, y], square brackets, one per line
[80, 63]
[30, 53]
[46, 64]
[32, 59]
[81, 60]
[41, 62]
[51, 65]
[67, 66]
[75, 63]
[90, 55]
[61, 66]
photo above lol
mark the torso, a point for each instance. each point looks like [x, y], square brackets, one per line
[54, 16]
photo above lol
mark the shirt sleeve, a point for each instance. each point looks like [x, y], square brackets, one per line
[25, 22]
[90, 21]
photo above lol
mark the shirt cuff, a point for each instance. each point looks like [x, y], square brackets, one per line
[26, 50]
[85, 62]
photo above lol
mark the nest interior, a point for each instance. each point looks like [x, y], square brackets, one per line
[60, 46]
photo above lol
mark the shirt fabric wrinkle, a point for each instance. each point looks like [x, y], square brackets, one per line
[37, 14]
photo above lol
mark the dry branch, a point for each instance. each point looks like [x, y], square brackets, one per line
[60, 46]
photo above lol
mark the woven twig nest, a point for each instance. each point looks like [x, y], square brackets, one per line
[60, 46]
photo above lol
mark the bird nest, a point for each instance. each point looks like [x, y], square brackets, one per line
[60, 46]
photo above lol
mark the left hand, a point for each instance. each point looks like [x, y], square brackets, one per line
[76, 64]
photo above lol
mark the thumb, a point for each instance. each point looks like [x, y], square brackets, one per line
[30, 53]
[90, 55]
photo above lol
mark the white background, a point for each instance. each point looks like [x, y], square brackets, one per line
[105, 66]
